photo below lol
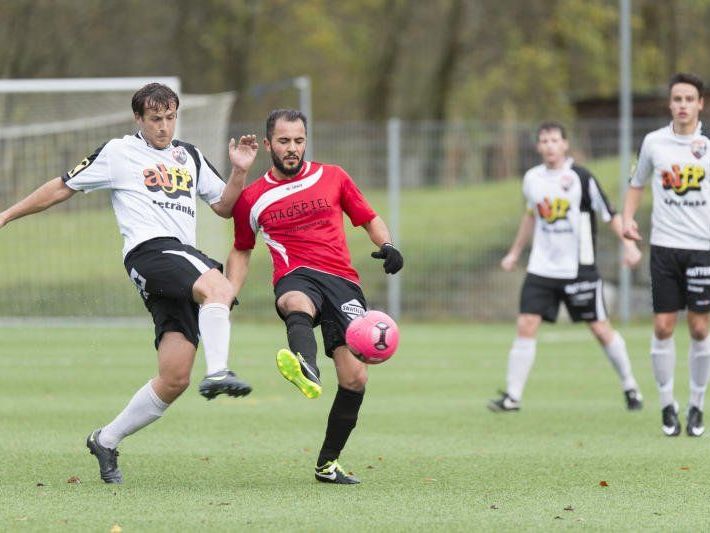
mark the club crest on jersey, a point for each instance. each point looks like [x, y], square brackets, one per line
[566, 182]
[180, 155]
[680, 181]
[552, 211]
[698, 148]
[173, 181]
[353, 308]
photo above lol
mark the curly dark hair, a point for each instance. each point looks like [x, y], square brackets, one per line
[154, 96]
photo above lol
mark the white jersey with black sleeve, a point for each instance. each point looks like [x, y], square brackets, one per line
[153, 191]
[564, 202]
[677, 166]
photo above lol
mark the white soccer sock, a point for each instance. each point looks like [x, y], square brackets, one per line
[619, 359]
[214, 332]
[699, 370]
[144, 408]
[520, 361]
[663, 360]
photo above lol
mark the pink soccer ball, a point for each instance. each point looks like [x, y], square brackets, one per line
[372, 337]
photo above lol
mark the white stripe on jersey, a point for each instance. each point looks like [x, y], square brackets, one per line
[279, 193]
[280, 248]
[196, 262]
[586, 240]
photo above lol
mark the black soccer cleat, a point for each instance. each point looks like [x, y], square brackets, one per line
[634, 400]
[671, 423]
[694, 426]
[223, 382]
[504, 404]
[332, 472]
[108, 462]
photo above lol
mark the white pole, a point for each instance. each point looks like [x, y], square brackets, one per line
[624, 142]
[394, 167]
[303, 84]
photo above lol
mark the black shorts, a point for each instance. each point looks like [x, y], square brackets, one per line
[680, 279]
[583, 297]
[164, 271]
[337, 301]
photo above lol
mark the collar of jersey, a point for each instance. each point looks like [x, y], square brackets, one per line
[698, 131]
[139, 135]
[305, 169]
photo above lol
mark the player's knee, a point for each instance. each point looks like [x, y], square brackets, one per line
[663, 329]
[179, 383]
[698, 331]
[213, 287]
[295, 302]
[355, 381]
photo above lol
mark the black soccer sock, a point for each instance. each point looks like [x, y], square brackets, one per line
[341, 421]
[301, 339]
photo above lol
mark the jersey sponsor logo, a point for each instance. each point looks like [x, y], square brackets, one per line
[353, 309]
[698, 148]
[552, 211]
[681, 181]
[180, 154]
[173, 181]
[297, 209]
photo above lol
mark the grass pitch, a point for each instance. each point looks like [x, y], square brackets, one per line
[430, 455]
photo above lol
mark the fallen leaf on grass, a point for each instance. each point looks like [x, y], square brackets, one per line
[224, 503]
[380, 458]
[603, 484]
[685, 468]
[579, 519]
[569, 508]
[204, 459]
[370, 467]
[558, 517]
[74, 480]
[22, 518]
[116, 528]
[429, 479]
[39, 484]
[494, 506]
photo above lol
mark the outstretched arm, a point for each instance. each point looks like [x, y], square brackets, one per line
[238, 268]
[522, 238]
[241, 155]
[47, 195]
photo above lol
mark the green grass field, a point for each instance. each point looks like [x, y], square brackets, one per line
[431, 457]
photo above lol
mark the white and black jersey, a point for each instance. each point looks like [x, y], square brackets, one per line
[564, 202]
[678, 166]
[153, 191]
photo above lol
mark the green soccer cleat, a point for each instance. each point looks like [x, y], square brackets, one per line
[332, 472]
[295, 369]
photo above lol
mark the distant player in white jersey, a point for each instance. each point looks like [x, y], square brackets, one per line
[675, 160]
[154, 182]
[562, 199]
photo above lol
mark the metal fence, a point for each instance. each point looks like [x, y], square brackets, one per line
[460, 204]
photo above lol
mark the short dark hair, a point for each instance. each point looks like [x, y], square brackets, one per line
[687, 77]
[154, 96]
[289, 115]
[549, 125]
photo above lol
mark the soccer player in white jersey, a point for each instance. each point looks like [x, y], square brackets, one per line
[154, 182]
[562, 199]
[675, 160]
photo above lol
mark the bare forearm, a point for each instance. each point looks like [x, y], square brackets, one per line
[631, 203]
[49, 194]
[231, 193]
[378, 231]
[524, 234]
[238, 268]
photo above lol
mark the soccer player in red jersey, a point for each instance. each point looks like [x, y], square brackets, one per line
[298, 206]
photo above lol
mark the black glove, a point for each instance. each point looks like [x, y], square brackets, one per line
[393, 259]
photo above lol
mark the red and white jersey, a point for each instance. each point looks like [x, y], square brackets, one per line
[677, 166]
[153, 191]
[301, 219]
[564, 202]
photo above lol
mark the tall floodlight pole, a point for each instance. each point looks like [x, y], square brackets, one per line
[624, 141]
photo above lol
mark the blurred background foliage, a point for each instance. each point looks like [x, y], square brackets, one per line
[514, 60]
